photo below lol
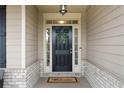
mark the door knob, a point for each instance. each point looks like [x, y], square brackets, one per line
[71, 51]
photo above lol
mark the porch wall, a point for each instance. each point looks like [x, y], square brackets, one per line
[23, 68]
[14, 75]
[40, 43]
[13, 36]
[32, 62]
[83, 40]
[105, 46]
[31, 35]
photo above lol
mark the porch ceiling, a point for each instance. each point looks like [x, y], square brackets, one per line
[55, 8]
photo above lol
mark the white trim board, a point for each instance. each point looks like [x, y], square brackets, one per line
[57, 16]
[23, 42]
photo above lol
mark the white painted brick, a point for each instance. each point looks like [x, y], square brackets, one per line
[22, 77]
[101, 79]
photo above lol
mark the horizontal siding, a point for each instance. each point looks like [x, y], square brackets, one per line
[40, 43]
[118, 21]
[91, 14]
[116, 50]
[13, 36]
[105, 37]
[104, 14]
[83, 35]
[116, 31]
[31, 35]
[40, 37]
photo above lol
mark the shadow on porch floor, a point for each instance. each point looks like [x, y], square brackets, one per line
[83, 83]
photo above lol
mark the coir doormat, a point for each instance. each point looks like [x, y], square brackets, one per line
[62, 80]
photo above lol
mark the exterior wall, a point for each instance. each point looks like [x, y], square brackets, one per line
[31, 35]
[32, 63]
[15, 78]
[40, 43]
[83, 39]
[13, 36]
[21, 78]
[32, 74]
[105, 42]
[22, 59]
[83, 34]
[100, 78]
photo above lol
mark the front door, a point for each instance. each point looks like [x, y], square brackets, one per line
[62, 48]
[2, 36]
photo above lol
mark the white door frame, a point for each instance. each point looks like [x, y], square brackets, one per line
[56, 16]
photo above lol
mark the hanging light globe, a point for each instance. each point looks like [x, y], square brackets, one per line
[63, 9]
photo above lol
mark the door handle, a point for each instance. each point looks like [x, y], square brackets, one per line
[71, 51]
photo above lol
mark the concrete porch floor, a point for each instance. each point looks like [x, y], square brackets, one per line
[83, 83]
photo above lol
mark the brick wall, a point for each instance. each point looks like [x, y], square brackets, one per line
[32, 74]
[98, 78]
[22, 78]
[14, 78]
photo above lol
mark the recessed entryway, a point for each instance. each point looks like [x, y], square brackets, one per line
[62, 43]
[97, 46]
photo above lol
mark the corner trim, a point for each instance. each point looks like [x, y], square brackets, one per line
[23, 35]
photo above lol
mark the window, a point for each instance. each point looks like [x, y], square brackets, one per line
[48, 46]
[62, 22]
[76, 45]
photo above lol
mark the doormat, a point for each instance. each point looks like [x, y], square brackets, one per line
[62, 80]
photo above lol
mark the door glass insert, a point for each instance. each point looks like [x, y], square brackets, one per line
[61, 21]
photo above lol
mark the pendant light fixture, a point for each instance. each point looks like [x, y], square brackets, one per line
[63, 9]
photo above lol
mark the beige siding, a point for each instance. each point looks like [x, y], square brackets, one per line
[31, 35]
[83, 34]
[13, 28]
[105, 37]
[40, 43]
[40, 37]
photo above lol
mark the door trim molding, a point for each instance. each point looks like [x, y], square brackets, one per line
[57, 16]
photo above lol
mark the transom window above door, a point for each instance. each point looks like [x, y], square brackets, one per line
[61, 21]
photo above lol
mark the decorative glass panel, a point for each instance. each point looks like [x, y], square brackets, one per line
[76, 45]
[49, 22]
[76, 40]
[68, 22]
[76, 61]
[74, 21]
[48, 46]
[76, 54]
[55, 22]
[62, 22]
